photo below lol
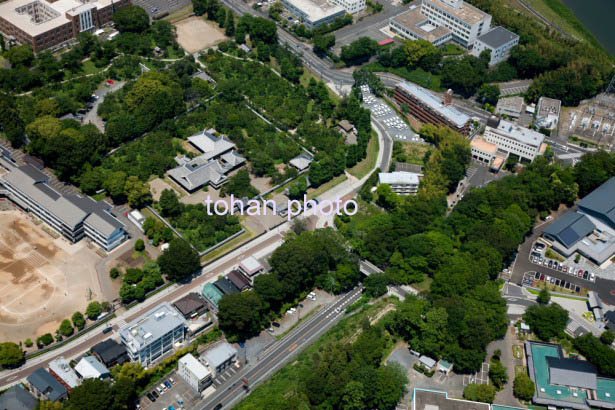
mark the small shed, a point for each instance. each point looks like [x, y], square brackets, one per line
[427, 362]
[445, 367]
[525, 328]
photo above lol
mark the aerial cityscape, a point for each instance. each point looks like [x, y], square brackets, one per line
[307, 204]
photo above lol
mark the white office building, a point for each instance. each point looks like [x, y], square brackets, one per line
[514, 139]
[401, 182]
[72, 215]
[414, 25]
[314, 13]
[548, 112]
[465, 21]
[499, 41]
[194, 373]
[153, 334]
[220, 357]
[351, 6]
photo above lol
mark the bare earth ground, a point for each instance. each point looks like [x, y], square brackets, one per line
[42, 280]
[158, 185]
[194, 34]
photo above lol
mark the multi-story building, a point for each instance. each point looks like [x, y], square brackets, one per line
[153, 334]
[514, 139]
[220, 357]
[497, 40]
[73, 216]
[414, 25]
[351, 6]
[428, 108]
[465, 21]
[510, 106]
[401, 182]
[547, 112]
[314, 13]
[194, 373]
[49, 24]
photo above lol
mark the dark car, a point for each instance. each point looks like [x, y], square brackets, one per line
[585, 274]
[276, 324]
[550, 264]
[218, 406]
[577, 289]
[567, 285]
[107, 330]
[537, 275]
[556, 282]
[151, 397]
[155, 394]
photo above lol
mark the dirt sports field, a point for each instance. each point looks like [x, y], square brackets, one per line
[194, 34]
[42, 280]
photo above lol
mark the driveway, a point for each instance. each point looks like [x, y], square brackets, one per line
[91, 117]
[505, 396]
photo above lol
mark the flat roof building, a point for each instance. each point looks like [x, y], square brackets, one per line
[314, 13]
[153, 334]
[548, 112]
[402, 183]
[61, 370]
[414, 25]
[251, 267]
[220, 357]
[465, 21]
[499, 41]
[72, 215]
[43, 24]
[514, 139]
[435, 400]
[510, 106]
[428, 108]
[194, 373]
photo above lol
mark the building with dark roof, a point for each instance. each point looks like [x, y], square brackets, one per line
[72, 215]
[571, 372]
[110, 353]
[17, 398]
[498, 41]
[239, 280]
[191, 305]
[44, 385]
[589, 231]
[226, 286]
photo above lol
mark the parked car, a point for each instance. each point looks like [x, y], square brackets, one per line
[552, 281]
[168, 384]
[581, 272]
[155, 394]
[542, 276]
[547, 278]
[172, 381]
[567, 285]
[550, 264]
[555, 265]
[276, 324]
[537, 276]
[577, 289]
[107, 330]
[592, 277]
[557, 282]
[585, 275]
[151, 397]
[539, 245]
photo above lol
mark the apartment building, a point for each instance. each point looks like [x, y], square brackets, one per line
[428, 108]
[153, 334]
[195, 373]
[465, 21]
[514, 139]
[73, 216]
[401, 182]
[315, 13]
[50, 24]
[497, 40]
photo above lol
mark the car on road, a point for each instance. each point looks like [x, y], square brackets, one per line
[107, 330]
[171, 408]
[154, 9]
[218, 406]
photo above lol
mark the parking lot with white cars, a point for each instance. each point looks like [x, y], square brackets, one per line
[538, 257]
[388, 118]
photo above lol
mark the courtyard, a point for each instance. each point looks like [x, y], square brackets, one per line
[43, 279]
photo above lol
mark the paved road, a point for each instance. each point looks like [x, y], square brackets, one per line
[233, 390]
[92, 116]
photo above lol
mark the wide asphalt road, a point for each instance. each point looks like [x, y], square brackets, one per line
[280, 353]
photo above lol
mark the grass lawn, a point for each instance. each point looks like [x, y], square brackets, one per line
[179, 14]
[90, 68]
[287, 380]
[229, 246]
[415, 152]
[313, 193]
[369, 163]
[452, 50]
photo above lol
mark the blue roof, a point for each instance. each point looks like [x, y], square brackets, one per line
[44, 382]
[570, 228]
[600, 201]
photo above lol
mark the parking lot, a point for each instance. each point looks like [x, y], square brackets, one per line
[179, 397]
[388, 118]
[581, 269]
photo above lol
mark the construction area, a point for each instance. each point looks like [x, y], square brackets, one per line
[593, 121]
[194, 34]
[44, 279]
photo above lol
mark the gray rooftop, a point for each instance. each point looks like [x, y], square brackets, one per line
[62, 369]
[301, 161]
[210, 145]
[521, 134]
[90, 367]
[17, 398]
[198, 172]
[570, 228]
[47, 384]
[151, 326]
[399, 177]
[497, 37]
[219, 354]
[226, 286]
[433, 400]
[451, 113]
[600, 201]
[572, 372]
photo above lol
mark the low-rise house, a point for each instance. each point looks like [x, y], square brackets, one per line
[194, 373]
[90, 368]
[61, 370]
[349, 131]
[226, 286]
[212, 294]
[191, 305]
[220, 357]
[445, 367]
[239, 280]
[428, 362]
[251, 267]
[301, 162]
[17, 398]
[110, 353]
[45, 386]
